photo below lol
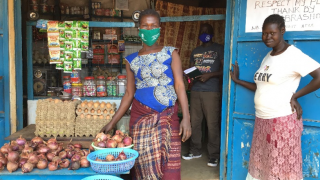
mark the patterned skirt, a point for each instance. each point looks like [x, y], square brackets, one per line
[156, 138]
[276, 149]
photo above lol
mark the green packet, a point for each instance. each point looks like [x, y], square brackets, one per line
[84, 35]
[61, 25]
[69, 34]
[68, 25]
[75, 25]
[62, 43]
[69, 45]
[84, 25]
[77, 65]
[77, 54]
[61, 54]
[61, 33]
[84, 46]
[76, 43]
[68, 56]
[67, 67]
[60, 66]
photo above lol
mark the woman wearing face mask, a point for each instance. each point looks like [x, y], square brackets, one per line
[155, 84]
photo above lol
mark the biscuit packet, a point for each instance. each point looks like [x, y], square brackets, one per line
[77, 65]
[52, 27]
[60, 66]
[67, 67]
[54, 55]
[53, 40]
[68, 56]
[84, 25]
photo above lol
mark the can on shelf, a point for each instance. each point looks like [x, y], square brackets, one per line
[44, 8]
[35, 7]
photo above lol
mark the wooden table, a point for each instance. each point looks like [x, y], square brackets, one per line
[28, 134]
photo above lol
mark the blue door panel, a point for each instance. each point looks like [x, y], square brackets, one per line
[1, 16]
[1, 130]
[1, 80]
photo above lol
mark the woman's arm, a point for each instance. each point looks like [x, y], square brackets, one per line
[125, 102]
[312, 86]
[176, 66]
[235, 78]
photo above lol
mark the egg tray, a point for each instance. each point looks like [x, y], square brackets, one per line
[55, 129]
[83, 128]
[97, 111]
[85, 105]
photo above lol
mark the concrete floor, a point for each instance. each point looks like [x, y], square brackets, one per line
[197, 169]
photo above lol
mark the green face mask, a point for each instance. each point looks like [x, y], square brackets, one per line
[149, 37]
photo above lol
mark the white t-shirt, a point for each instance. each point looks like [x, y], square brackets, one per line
[277, 80]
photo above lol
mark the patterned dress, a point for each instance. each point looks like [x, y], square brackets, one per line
[154, 123]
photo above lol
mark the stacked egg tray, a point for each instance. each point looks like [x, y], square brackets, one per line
[55, 118]
[92, 117]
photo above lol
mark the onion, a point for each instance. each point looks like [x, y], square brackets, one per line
[111, 143]
[122, 155]
[3, 160]
[52, 140]
[42, 164]
[118, 132]
[56, 159]
[32, 145]
[75, 157]
[22, 161]
[27, 167]
[117, 138]
[27, 149]
[12, 166]
[21, 148]
[33, 159]
[85, 152]
[70, 145]
[99, 160]
[37, 140]
[14, 146]
[53, 145]
[5, 148]
[50, 156]
[64, 163]
[21, 141]
[84, 162]
[110, 157]
[42, 156]
[120, 145]
[77, 145]
[74, 165]
[24, 155]
[70, 154]
[101, 136]
[13, 156]
[1, 155]
[101, 144]
[108, 136]
[127, 141]
[77, 150]
[1, 166]
[63, 154]
[53, 166]
[43, 149]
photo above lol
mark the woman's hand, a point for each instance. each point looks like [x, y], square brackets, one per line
[296, 106]
[108, 127]
[185, 129]
[204, 77]
[235, 73]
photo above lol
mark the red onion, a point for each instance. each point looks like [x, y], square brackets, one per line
[111, 143]
[1, 166]
[99, 160]
[14, 146]
[53, 145]
[75, 157]
[21, 148]
[12, 166]
[120, 145]
[5, 148]
[27, 149]
[1, 155]
[70, 154]
[50, 156]
[33, 159]
[27, 167]
[42, 156]
[110, 157]
[64, 163]
[21, 141]
[101, 144]
[4, 160]
[122, 155]
[13, 156]
[22, 161]
[24, 155]
[101, 136]
[32, 145]
[77, 150]
[63, 154]
[43, 149]
[52, 140]
[74, 165]
[37, 140]
[118, 132]
[117, 138]
[53, 166]
[85, 152]
[56, 159]
[42, 164]
[84, 162]
[127, 141]
[77, 145]
[70, 145]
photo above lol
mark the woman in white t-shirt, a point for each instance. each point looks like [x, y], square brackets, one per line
[276, 144]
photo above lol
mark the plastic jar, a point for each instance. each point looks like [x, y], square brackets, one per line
[77, 89]
[75, 77]
[101, 86]
[67, 84]
[111, 87]
[89, 87]
[121, 85]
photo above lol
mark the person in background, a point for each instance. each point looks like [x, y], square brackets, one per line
[276, 144]
[155, 83]
[205, 96]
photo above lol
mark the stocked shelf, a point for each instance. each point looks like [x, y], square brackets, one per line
[82, 98]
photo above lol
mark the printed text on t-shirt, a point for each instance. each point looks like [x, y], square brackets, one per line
[262, 76]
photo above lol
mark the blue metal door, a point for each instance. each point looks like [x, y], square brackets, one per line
[4, 72]
[238, 106]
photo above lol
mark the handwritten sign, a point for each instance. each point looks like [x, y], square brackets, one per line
[299, 15]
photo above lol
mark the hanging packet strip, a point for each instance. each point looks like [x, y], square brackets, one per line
[67, 67]
[52, 27]
[53, 40]
[60, 66]
[68, 56]
[77, 64]
[54, 55]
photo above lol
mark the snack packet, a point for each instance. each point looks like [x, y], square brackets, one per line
[54, 55]
[69, 45]
[77, 54]
[60, 66]
[67, 67]
[53, 40]
[68, 56]
[52, 27]
[84, 25]
[84, 35]
[77, 65]
[68, 25]
[84, 46]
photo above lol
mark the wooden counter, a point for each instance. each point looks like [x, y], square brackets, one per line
[28, 134]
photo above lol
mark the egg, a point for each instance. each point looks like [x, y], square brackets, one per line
[96, 104]
[56, 101]
[102, 105]
[92, 111]
[86, 110]
[79, 110]
[105, 112]
[83, 104]
[95, 116]
[101, 117]
[111, 111]
[88, 116]
[108, 117]
[82, 116]
[108, 105]
[89, 104]
[99, 111]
